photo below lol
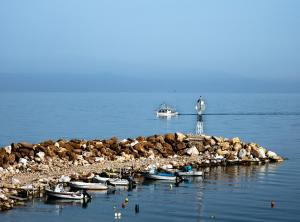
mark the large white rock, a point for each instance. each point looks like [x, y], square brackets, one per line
[79, 157]
[134, 143]
[87, 154]
[23, 161]
[64, 179]
[8, 149]
[41, 155]
[262, 152]
[123, 141]
[180, 136]
[3, 197]
[242, 153]
[271, 154]
[193, 151]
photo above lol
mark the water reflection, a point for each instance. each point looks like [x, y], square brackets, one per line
[196, 199]
[234, 175]
[61, 203]
[199, 125]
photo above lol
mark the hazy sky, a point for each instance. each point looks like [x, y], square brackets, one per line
[224, 39]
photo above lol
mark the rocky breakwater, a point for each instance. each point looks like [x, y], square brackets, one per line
[39, 163]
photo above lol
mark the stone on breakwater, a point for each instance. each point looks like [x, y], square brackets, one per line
[7, 149]
[180, 136]
[193, 151]
[242, 153]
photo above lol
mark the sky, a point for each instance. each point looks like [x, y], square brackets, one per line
[150, 45]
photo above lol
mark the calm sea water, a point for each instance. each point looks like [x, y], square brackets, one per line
[236, 193]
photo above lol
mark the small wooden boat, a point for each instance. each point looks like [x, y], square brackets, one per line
[113, 181]
[88, 186]
[59, 192]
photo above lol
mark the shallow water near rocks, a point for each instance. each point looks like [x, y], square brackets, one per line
[235, 193]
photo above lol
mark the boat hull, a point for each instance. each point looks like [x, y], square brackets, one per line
[64, 195]
[159, 177]
[88, 186]
[190, 173]
[166, 114]
[116, 182]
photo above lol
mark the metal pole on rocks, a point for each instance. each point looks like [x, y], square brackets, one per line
[199, 126]
[200, 107]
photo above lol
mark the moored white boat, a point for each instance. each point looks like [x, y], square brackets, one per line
[154, 175]
[186, 171]
[88, 186]
[59, 192]
[113, 181]
[160, 176]
[190, 173]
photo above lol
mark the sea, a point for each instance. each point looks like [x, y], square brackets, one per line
[232, 193]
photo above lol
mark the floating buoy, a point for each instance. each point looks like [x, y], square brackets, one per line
[272, 204]
[126, 200]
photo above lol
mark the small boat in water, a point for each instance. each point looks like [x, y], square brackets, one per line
[186, 171]
[190, 173]
[113, 181]
[166, 111]
[60, 193]
[88, 186]
[160, 176]
[154, 175]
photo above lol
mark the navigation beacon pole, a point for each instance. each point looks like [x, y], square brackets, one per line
[200, 107]
[199, 127]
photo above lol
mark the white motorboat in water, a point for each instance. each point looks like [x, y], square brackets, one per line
[60, 193]
[88, 186]
[166, 111]
[113, 181]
